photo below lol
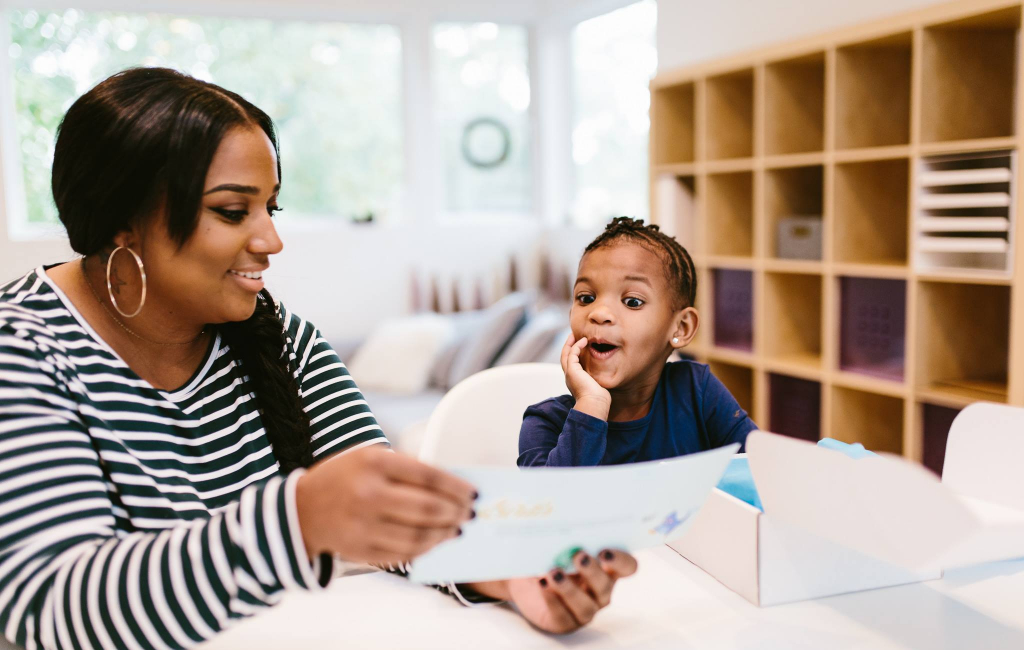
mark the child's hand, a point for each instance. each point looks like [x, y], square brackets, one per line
[591, 397]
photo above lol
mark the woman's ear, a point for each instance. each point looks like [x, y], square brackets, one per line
[687, 321]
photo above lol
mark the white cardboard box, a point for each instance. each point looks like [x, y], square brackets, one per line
[834, 525]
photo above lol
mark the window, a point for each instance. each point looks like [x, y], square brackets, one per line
[614, 57]
[482, 82]
[333, 89]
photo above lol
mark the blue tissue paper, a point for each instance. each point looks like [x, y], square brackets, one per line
[739, 482]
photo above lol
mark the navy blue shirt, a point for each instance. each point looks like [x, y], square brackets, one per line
[692, 411]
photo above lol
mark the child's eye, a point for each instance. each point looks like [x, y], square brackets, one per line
[633, 303]
[584, 298]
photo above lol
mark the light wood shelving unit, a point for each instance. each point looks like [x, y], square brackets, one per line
[872, 343]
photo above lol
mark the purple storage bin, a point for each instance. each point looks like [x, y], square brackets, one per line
[937, 421]
[795, 407]
[734, 309]
[872, 325]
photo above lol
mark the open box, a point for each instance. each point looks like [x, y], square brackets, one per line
[834, 525]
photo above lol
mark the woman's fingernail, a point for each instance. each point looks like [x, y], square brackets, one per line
[558, 576]
[608, 556]
[584, 560]
[543, 582]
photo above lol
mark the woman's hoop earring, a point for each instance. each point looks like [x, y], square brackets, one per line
[110, 288]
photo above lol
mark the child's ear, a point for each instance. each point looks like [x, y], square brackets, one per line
[687, 321]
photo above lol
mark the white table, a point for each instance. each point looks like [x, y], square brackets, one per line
[669, 603]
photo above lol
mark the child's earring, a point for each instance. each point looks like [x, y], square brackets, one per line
[675, 340]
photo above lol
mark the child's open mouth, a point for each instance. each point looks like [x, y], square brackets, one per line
[601, 350]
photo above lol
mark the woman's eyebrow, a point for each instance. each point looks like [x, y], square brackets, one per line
[241, 189]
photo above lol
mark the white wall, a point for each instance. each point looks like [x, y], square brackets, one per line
[690, 31]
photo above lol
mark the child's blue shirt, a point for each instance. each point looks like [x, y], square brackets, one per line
[692, 411]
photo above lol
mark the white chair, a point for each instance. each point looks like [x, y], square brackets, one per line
[478, 421]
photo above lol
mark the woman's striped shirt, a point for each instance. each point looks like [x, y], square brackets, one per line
[132, 517]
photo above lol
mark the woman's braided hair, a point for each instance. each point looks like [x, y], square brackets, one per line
[681, 273]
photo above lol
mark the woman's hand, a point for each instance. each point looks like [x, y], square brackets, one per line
[373, 505]
[591, 397]
[559, 602]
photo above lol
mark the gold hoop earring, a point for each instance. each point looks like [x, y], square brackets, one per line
[110, 288]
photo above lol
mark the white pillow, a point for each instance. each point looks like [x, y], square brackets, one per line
[399, 355]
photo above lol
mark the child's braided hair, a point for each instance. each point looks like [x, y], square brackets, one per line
[682, 275]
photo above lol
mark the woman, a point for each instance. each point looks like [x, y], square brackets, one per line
[158, 409]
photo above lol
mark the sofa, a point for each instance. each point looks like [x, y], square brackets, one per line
[406, 365]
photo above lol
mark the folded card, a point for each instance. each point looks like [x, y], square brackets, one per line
[526, 519]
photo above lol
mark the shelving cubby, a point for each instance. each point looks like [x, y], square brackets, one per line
[792, 318]
[794, 407]
[733, 317]
[730, 115]
[872, 323]
[673, 111]
[871, 212]
[739, 380]
[873, 92]
[794, 192]
[675, 208]
[963, 340]
[935, 423]
[969, 70]
[795, 105]
[730, 213]
[874, 420]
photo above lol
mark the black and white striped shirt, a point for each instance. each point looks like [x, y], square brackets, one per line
[132, 517]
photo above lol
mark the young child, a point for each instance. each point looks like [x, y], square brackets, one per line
[632, 308]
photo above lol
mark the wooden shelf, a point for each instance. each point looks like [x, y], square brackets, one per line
[795, 105]
[873, 93]
[875, 421]
[739, 380]
[871, 212]
[791, 192]
[672, 110]
[730, 214]
[963, 340]
[968, 77]
[864, 182]
[730, 115]
[792, 319]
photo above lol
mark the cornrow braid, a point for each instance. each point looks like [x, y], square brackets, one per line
[682, 275]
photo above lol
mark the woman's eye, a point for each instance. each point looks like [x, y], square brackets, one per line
[633, 303]
[231, 215]
[585, 298]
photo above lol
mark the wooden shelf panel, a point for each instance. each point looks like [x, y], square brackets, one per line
[875, 421]
[873, 93]
[739, 380]
[963, 340]
[794, 192]
[792, 318]
[730, 214]
[672, 110]
[872, 211]
[795, 105]
[730, 115]
[968, 78]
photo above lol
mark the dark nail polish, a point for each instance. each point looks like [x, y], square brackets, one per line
[607, 556]
[476, 495]
[584, 560]
[543, 582]
[559, 576]
[472, 514]
[458, 533]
